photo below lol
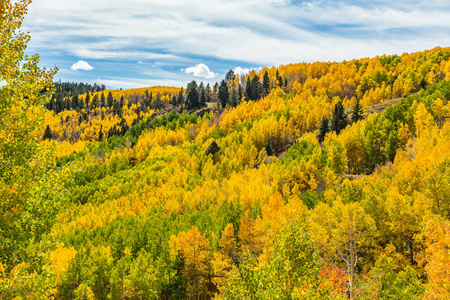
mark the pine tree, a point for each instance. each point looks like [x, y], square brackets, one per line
[357, 112]
[265, 84]
[338, 120]
[100, 134]
[180, 98]
[208, 93]
[47, 133]
[110, 100]
[102, 100]
[202, 95]
[269, 147]
[223, 94]
[192, 95]
[95, 102]
[324, 128]
[88, 101]
[213, 148]
[248, 89]
[230, 76]
[233, 101]
[240, 93]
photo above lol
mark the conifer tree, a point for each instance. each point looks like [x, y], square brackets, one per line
[100, 134]
[88, 101]
[233, 101]
[338, 120]
[357, 112]
[324, 128]
[180, 98]
[266, 84]
[223, 94]
[47, 133]
[192, 96]
[110, 100]
[202, 94]
[102, 100]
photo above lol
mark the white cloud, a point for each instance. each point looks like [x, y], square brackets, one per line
[200, 70]
[241, 71]
[81, 65]
[176, 33]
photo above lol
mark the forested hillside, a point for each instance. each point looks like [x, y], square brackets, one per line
[289, 187]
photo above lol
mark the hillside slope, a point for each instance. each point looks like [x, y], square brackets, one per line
[181, 206]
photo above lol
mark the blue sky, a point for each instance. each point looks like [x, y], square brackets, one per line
[137, 43]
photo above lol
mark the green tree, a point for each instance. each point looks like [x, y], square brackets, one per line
[223, 93]
[357, 112]
[234, 101]
[324, 128]
[47, 133]
[404, 285]
[110, 100]
[192, 95]
[202, 97]
[102, 100]
[266, 84]
[338, 120]
[25, 90]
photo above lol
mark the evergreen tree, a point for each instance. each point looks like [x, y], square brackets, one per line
[192, 95]
[88, 101]
[248, 89]
[230, 76]
[202, 93]
[239, 93]
[180, 99]
[75, 104]
[121, 103]
[213, 148]
[47, 133]
[265, 84]
[269, 147]
[233, 100]
[102, 100]
[324, 128]
[255, 88]
[95, 102]
[208, 93]
[357, 112]
[280, 81]
[100, 134]
[110, 100]
[339, 119]
[223, 93]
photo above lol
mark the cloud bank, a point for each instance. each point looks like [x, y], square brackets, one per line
[229, 33]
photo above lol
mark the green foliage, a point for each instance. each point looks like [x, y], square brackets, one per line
[223, 93]
[212, 149]
[324, 128]
[404, 285]
[192, 95]
[339, 119]
[292, 271]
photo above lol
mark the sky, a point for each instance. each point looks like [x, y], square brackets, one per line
[137, 43]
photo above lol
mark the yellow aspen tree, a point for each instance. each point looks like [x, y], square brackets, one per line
[422, 119]
[194, 249]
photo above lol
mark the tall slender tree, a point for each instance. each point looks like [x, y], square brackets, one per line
[266, 84]
[223, 93]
